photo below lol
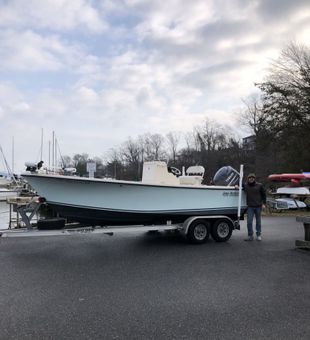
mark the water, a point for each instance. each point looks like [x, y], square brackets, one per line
[4, 215]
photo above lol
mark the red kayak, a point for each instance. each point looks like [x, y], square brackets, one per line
[295, 178]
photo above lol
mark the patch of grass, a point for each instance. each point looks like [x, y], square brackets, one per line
[288, 212]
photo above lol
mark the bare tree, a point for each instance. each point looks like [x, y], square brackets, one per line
[114, 166]
[131, 154]
[154, 146]
[191, 141]
[253, 115]
[173, 139]
[286, 106]
[67, 161]
[80, 161]
[212, 136]
[130, 151]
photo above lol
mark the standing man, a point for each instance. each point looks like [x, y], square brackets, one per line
[256, 199]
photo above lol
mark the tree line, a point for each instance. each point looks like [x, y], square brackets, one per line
[280, 117]
[211, 145]
[278, 120]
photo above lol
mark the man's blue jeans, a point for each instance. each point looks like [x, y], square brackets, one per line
[257, 211]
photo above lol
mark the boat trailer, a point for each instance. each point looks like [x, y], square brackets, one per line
[196, 229]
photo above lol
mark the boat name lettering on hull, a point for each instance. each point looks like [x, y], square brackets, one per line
[230, 193]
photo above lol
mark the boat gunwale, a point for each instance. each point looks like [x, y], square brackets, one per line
[123, 182]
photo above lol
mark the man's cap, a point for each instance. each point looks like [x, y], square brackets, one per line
[251, 175]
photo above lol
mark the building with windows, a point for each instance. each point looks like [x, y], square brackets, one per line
[249, 142]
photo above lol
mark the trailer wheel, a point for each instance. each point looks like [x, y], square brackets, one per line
[198, 231]
[221, 230]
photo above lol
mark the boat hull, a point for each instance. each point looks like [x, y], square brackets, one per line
[95, 216]
[101, 202]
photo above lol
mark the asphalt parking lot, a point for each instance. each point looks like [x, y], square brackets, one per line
[141, 286]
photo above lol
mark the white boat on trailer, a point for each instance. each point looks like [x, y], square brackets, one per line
[165, 199]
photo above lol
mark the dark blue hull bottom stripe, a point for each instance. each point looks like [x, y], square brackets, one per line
[115, 217]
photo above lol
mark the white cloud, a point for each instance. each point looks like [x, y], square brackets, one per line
[51, 14]
[11, 101]
[156, 66]
[30, 51]
[21, 107]
[88, 95]
[1, 112]
[175, 21]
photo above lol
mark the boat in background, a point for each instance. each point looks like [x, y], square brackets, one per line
[10, 188]
[4, 181]
[6, 193]
[297, 191]
[10, 185]
[294, 195]
[293, 178]
[290, 203]
[164, 194]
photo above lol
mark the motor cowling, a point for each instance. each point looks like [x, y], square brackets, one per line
[32, 167]
[226, 176]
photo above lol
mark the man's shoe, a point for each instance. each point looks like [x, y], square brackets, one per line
[249, 238]
[259, 238]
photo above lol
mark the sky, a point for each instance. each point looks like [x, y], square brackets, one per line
[99, 72]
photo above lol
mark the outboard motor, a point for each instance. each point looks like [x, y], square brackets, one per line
[32, 167]
[226, 176]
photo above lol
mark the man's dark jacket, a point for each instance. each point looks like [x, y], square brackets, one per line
[255, 194]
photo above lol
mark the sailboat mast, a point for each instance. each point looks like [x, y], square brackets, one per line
[56, 161]
[49, 154]
[7, 165]
[53, 151]
[13, 154]
[41, 145]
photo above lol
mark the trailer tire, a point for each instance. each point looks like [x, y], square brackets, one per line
[198, 231]
[221, 230]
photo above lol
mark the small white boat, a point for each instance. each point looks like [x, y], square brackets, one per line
[294, 195]
[298, 191]
[291, 203]
[9, 185]
[164, 194]
[4, 181]
[6, 193]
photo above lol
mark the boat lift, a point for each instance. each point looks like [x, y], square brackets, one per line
[25, 209]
